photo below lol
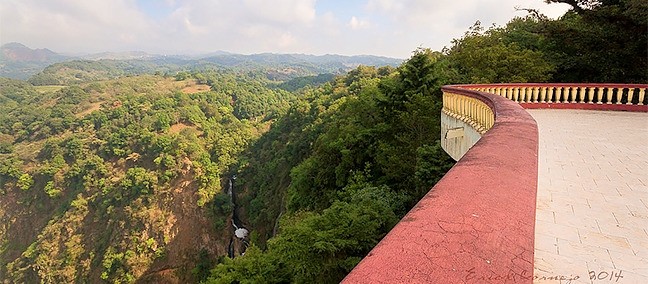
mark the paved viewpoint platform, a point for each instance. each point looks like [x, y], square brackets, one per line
[592, 200]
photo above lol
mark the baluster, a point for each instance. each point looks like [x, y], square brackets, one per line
[581, 95]
[522, 95]
[642, 93]
[491, 118]
[568, 92]
[551, 93]
[474, 113]
[453, 104]
[516, 94]
[486, 117]
[590, 95]
[630, 95]
[599, 95]
[573, 91]
[460, 105]
[535, 94]
[543, 94]
[559, 94]
[462, 109]
[471, 111]
[478, 112]
[611, 94]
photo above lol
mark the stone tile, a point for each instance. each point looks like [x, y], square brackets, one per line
[639, 246]
[578, 222]
[549, 265]
[565, 232]
[630, 233]
[585, 253]
[630, 262]
[545, 215]
[546, 243]
[610, 242]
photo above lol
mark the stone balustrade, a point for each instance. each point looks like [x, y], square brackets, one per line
[628, 97]
[470, 110]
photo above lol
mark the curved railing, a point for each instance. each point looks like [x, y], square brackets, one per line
[476, 225]
[627, 97]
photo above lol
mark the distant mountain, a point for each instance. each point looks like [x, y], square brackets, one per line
[282, 67]
[20, 62]
[44, 66]
[16, 52]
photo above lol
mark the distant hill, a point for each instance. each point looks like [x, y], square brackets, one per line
[119, 55]
[16, 52]
[20, 62]
[44, 67]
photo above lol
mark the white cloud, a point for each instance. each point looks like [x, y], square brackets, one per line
[72, 25]
[381, 27]
[286, 40]
[282, 11]
[356, 24]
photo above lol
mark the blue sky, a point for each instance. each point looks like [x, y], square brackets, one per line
[377, 27]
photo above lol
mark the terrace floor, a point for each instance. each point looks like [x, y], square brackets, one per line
[592, 205]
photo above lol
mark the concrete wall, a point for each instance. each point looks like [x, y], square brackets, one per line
[456, 147]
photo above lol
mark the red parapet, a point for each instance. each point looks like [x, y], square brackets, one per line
[477, 224]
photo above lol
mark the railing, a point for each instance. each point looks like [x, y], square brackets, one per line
[470, 110]
[476, 225]
[628, 97]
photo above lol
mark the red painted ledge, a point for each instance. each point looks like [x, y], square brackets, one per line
[477, 224]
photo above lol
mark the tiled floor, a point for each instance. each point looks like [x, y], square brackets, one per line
[592, 205]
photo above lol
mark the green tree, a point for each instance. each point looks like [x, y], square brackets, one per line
[25, 181]
[493, 57]
[600, 41]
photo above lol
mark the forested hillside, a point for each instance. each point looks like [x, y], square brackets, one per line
[116, 180]
[116, 176]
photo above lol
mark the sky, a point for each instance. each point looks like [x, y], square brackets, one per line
[392, 28]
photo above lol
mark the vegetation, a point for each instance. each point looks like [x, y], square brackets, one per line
[118, 176]
[98, 170]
